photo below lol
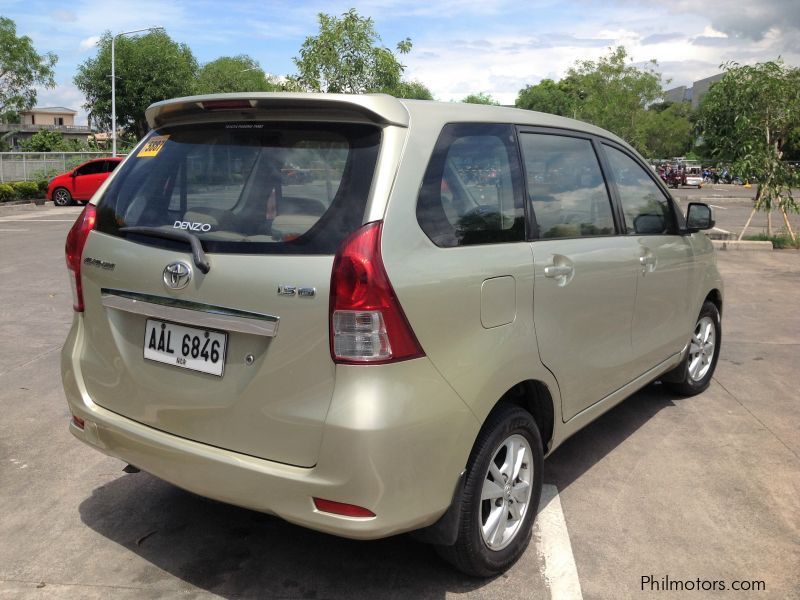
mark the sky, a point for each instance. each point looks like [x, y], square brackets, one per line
[459, 46]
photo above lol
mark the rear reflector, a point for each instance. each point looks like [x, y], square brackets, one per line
[78, 422]
[367, 322]
[76, 240]
[340, 508]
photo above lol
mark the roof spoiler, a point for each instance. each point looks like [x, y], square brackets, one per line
[378, 108]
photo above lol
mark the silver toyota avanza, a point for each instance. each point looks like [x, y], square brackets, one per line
[370, 316]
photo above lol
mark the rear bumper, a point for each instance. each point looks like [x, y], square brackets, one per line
[395, 440]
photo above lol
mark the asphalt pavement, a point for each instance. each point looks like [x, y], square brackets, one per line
[705, 488]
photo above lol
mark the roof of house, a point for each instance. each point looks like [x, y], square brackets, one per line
[59, 110]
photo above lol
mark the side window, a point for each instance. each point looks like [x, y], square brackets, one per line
[471, 192]
[110, 165]
[93, 168]
[567, 193]
[646, 210]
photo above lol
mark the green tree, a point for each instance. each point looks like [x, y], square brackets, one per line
[550, 97]
[149, 68]
[610, 93]
[47, 140]
[480, 98]
[746, 119]
[412, 90]
[791, 150]
[665, 130]
[614, 93]
[346, 57]
[21, 70]
[234, 74]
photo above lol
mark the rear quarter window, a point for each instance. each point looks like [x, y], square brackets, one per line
[471, 193]
[247, 187]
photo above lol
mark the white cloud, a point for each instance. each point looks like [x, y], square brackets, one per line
[89, 42]
[502, 64]
[710, 32]
[65, 16]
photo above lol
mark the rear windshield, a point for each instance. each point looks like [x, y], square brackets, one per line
[246, 187]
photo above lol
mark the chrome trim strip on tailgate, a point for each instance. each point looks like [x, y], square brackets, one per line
[191, 313]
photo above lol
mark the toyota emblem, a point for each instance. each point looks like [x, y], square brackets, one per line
[177, 275]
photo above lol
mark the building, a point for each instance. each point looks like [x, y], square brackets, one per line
[54, 118]
[692, 94]
[678, 94]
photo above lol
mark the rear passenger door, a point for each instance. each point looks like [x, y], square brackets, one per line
[466, 286]
[584, 270]
[662, 318]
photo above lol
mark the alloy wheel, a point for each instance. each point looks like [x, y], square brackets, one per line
[506, 492]
[701, 348]
[61, 197]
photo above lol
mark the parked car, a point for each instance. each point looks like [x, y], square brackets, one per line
[693, 174]
[81, 182]
[398, 349]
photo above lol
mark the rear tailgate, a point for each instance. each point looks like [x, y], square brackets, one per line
[273, 394]
[269, 235]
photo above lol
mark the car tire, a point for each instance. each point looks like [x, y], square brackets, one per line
[62, 197]
[694, 374]
[482, 550]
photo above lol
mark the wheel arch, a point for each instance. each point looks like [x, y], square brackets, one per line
[533, 396]
[715, 297]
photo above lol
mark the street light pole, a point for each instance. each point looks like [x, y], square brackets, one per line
[114, 86]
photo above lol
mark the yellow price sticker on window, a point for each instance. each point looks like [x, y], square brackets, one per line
[153, 146]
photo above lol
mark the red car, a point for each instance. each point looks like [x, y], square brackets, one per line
[82, 182]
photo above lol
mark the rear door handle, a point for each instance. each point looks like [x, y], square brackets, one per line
[647, 260]
[554, 271]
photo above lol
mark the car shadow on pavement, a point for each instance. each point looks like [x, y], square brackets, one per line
[591, 444]
[235, 552]
[238, 553]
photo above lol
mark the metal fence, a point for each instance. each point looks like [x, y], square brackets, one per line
[30, 166]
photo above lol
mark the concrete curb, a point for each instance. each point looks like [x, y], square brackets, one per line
[17, 202]
[743, 245]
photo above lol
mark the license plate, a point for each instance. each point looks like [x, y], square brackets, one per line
[186, 347]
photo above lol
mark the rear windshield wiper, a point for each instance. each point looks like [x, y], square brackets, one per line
[199, 257]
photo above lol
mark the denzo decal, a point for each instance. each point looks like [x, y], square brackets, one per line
[191, 226]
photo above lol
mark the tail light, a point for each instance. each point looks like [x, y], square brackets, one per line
[76, 240]
[367, 323]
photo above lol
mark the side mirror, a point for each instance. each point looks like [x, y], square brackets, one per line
[74, 173]
[699, 216]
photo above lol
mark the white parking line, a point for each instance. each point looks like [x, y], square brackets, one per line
[552, 542]
[720, 207]
[14, 230]
[7, 220]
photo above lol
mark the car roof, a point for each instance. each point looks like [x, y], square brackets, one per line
[379, 108]
[115, 158]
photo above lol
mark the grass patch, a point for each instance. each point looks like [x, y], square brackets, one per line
[782, 241]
